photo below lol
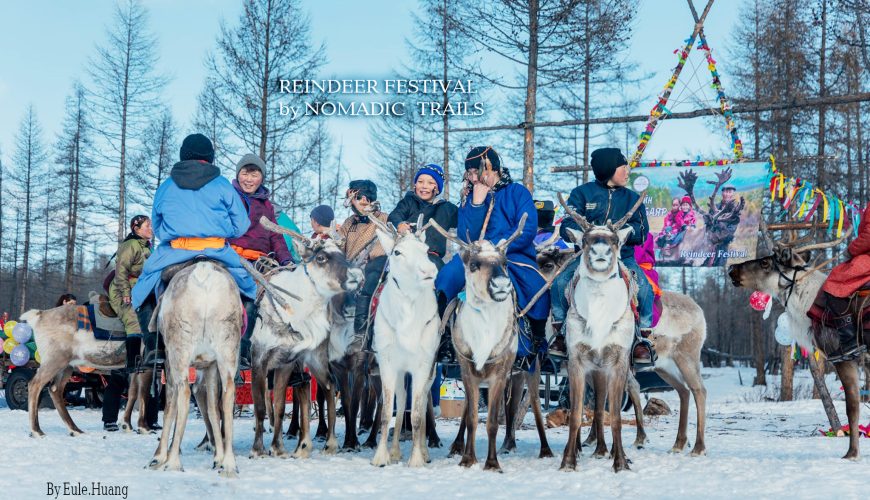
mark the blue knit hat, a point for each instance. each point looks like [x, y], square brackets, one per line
[435, 171]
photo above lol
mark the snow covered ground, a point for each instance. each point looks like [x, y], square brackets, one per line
[756, 449]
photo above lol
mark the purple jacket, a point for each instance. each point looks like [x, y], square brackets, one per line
[645, 257]
[257, 237]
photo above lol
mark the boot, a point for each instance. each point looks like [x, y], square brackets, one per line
[558, 346]
[643, 354]
[134, 345]
[152, 353]
[446, 355]
[251, 310]
[849, 348]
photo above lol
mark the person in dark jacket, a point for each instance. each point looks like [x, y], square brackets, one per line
[607, 199]
[488, 183]
[322, 217]
[257, 241]
[424, 199]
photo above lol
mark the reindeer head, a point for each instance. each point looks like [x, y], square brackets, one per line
[549, 256]
[600, 245]
[485, 264]
[788, 257]
[408, 255]
[323, 261]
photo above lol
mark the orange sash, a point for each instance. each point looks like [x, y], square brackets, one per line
[197, 244]
[247, 253]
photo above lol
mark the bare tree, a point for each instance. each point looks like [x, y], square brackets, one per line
[125, 90]
[30, 155]
[156, 157]
[271, 41]
[209, 121]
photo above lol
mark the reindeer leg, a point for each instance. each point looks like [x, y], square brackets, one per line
[46, 371]
[577, 381]
[683, 392]
[56, 392]
[132, 398]
[293, 428]
[458, 445]
[691, 371]
[258, 392]
[144, 379]
[431, 431]
[351, 441]
[634, 394]
[331, 440]
[346, 393]
[534, 392]
[515, 386]
[182, 402]
[322, 429]
[211, 386]
[388, 387]
[848, 373]
[226, 372]
[303, 447]
[472, 395]
[169, 420]
[200, 394]
[401, 397]
[279, 391]
[372, 441]
[419, 403]
[616, 389]
[496, 397]
[599, 382]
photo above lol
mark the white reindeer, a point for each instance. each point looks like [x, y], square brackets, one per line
[484, 335]
[200, 318]
[282, 338]
[406, 337]
[599, 327]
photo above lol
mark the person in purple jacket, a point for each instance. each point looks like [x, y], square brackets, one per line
[257, 241]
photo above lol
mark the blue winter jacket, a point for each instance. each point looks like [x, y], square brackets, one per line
[511, 202]
[600, 203]
[208, 207]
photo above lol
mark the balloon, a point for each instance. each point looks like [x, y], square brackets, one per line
[8, 345]
[37, 357]
[31, 346]
[9, 327]
[782, 333]
[22, 333]
[758, 300]
[20, 355]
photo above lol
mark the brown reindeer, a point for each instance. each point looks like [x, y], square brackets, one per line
[787, 275]
[678, 339]
[484, 336]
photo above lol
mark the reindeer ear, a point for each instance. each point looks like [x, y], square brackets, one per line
[575, 235]
[423, 236]
[303, 251]
[624, 233]
[387, 241]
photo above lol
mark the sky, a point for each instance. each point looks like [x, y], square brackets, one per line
[47, 44]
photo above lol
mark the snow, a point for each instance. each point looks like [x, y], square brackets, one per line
[756, 449]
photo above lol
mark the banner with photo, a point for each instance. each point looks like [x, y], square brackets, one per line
[703, 216]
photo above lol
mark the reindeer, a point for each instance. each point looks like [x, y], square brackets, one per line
[720, 221]
[787, 275]
[62, 347]
[284, 337]
[406, 337]
[200, 317]
[599, 327]
[484, 336]
[678, 339]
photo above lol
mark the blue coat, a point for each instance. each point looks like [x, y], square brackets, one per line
[214, 210]
[599, 203]
[511, 202]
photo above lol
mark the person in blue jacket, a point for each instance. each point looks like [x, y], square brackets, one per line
[195, 212]
[488, 182]
[607, 198]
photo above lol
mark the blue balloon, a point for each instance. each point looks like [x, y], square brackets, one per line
[22, 333]
[20, 355]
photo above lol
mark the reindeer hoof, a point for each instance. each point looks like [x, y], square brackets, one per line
[75, 433]
[278, 453]
[699, 452]
[853, 456]
[126, 427]
[229, 473]
[37, 434]
[546, 453]
[350, 449]
[257, 453]
[620, 465]
[173, 467]
[435, 443]
[456, 449]
[381, 459]
[568, 467]
[467, 461]
[492, 465]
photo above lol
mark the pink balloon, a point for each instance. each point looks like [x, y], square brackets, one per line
[758, 300]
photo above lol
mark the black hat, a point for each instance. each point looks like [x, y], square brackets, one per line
[546, 213]
[365, 188]
[197, 147]
[472, 159]
[323, 215]
[605, 161]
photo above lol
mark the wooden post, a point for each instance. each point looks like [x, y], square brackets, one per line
[786, 389]
[817, 368]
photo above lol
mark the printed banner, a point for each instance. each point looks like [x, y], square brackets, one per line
[703, 216]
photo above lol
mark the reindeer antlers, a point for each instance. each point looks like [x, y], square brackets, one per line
[821, 246]
[275, 228]
[384, 226]
[551, 240]
[506, 243]
[447, 235]
[584, 224]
